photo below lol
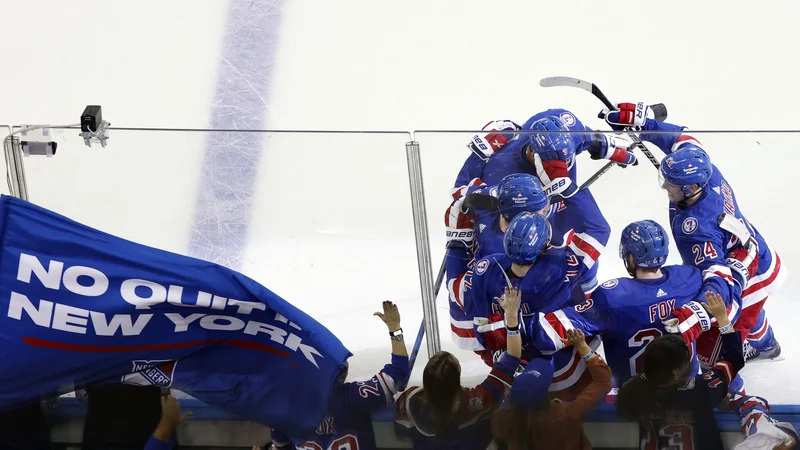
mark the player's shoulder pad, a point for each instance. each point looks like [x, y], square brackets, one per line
[566, 116]
[569, 119]
[491, 263]
[552, 266]
[611, 284]
[684, 276]
[616, 292]
[682, 271]
[698, 223]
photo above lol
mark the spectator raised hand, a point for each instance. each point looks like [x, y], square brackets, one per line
[164, 436]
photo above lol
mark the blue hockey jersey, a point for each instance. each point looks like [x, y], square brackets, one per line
[547, 286]
[703, 244]
[511, 158]
[576, 214]
[626, 312]
[348, 423]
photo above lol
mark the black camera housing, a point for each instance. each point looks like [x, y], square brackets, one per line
[91, 118]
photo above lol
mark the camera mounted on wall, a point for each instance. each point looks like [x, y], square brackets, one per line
[38, 140]
[93, 127]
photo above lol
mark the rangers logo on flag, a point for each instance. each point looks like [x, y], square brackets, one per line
[151, 373]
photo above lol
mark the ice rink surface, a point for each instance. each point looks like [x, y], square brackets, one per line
[324, 219]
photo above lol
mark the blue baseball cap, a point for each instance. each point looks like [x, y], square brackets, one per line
[530, 388]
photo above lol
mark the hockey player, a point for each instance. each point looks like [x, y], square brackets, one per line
[673, 410]
[627, 312]
[698, 195]
[547, 277]
[549, 152]
[349, 421]
[475, 231]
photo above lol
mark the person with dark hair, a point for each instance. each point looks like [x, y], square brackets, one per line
[671, 408]
[120, 416]
[530, 420]
[444, 415]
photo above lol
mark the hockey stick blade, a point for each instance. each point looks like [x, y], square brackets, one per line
[591, 87]
[659, 111]
[730, 224]
[578, 83]
[481, 202]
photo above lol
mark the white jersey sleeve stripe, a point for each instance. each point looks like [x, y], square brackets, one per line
[718, 270]
[685, 139]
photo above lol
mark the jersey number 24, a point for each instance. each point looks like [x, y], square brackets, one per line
[701, 253]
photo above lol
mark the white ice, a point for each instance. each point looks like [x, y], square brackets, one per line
[331, 227]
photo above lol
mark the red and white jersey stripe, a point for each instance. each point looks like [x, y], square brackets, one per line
[463, 334]
[765, 284]
[685, 139]
[461, 191]
[587, 247]
[457, 287]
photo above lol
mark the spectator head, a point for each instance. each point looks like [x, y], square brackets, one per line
[530, 388]
[528, 405]
[441, 389]
[666, 361]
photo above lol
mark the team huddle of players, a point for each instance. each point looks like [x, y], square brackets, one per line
[518, 219]
[544, 235]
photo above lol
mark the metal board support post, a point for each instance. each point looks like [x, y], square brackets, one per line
[423, 247]
[18, 185]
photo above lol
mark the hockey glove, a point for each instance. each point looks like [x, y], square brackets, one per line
[500, 132]
[690, 320]
[743, 261]
[490, 357]
[627, 115]
[493, 333]
[614, 148]
[459, 224]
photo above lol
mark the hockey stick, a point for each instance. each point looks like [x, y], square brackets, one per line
[489, 203]
[732, 225]
[421, 332]
[660, 111]
[594, 90]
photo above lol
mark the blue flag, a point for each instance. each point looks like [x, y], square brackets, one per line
[81, 306]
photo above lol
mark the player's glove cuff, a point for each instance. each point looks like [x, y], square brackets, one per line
[690, 321]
